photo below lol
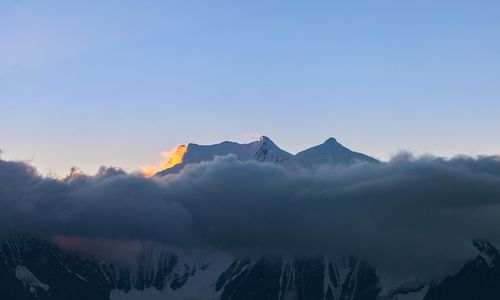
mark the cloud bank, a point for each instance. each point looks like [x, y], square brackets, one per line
[406, 215]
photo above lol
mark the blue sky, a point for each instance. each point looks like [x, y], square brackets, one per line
[87, 83]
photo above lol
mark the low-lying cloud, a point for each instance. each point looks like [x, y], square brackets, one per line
[405, 215]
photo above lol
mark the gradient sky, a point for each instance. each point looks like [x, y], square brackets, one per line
[90, 83]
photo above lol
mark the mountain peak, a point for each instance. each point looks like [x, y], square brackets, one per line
[268, 151]
[331, 141]
[331, 152]
[266, 141]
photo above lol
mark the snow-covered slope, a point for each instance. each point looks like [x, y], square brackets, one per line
[159, 273]
[265, 150]
[330, 152]
[34, 269]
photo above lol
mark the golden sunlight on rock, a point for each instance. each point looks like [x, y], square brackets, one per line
[173, 157]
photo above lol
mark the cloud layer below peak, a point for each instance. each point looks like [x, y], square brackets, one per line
[406, 215]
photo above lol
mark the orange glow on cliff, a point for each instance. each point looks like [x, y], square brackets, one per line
[173, 157]
[115, 250]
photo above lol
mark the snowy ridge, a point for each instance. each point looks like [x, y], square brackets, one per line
[29, 280]
[330, 152]
[262, 150]
[265, 150]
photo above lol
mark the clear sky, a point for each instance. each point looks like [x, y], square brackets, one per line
[87, 83]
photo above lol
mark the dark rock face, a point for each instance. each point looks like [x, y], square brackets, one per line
[32, 269]
[479, 279]
[47, 273]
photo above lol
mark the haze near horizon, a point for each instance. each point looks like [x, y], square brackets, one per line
[89, 83]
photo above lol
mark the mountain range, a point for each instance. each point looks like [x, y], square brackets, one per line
[31, 268]
[36, 269]
[330, 152]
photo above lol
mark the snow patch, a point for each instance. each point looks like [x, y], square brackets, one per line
[29, 279]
